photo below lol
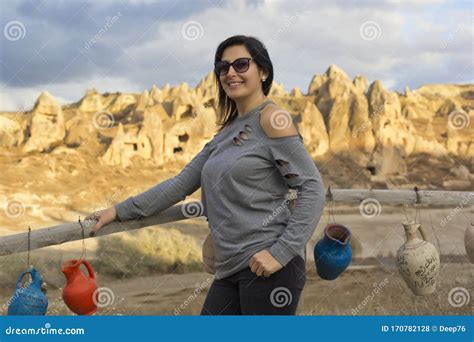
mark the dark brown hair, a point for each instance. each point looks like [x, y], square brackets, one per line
[227, 109]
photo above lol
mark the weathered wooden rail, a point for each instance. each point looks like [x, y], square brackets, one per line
[72, 231]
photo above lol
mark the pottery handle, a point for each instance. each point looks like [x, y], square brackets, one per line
[423, 232]
[20, 279]
[89, 268]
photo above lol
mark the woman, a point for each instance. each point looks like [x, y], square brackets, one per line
[245, 173]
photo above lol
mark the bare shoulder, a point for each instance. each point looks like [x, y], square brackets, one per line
[277, 122]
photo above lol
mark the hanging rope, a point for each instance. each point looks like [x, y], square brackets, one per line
[83, 240]
[434, 233]
[417, 208]
[405, 211]
[29, 249]
[330, 206]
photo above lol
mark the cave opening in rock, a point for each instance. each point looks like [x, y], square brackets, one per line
[372, 170]
[184, 137]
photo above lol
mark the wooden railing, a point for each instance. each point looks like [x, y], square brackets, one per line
[68, 232]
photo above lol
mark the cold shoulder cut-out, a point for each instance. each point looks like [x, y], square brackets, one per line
[245, 177]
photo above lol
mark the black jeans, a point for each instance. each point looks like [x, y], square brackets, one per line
[245, 293]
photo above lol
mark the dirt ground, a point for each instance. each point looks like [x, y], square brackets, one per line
[370, 286]
[46, 190]
[351, 294]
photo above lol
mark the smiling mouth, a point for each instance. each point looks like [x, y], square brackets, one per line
[234, 84]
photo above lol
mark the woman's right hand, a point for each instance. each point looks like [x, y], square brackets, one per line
[103, 217]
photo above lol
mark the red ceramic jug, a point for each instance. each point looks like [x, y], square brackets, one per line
[80, 289]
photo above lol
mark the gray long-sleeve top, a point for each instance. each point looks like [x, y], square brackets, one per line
[244, 186]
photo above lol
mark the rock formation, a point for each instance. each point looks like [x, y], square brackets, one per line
[206, 89]
[313, 130]
[345, 110]
[349, 122]
[47, 128]
[91, 102]
[10, 130]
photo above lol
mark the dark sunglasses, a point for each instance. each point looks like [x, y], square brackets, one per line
[240, 65]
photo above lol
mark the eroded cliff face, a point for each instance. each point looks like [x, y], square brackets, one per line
[359, 134]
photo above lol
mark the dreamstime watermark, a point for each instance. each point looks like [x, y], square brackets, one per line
[458, 119]
[280, 297]
[103, 296]
[289, 21]
[192, 209]
[197, 291]
[292, 195]
[14, 30]
[201, 109]
[16, 295]
[370, 30]
[466, 199]
[365, 125]
[370, 208]
[14, 208]
[103, 120]
[451, 36]
[112, 199]
[109, 22]
[458, 297]
[280, 119]
[46, 330]
[108, 203]
[377, 287]
[192, 30]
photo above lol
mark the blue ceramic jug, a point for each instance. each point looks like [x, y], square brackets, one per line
[332, 253]
[28, 299]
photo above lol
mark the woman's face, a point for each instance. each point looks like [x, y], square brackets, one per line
[241, 85]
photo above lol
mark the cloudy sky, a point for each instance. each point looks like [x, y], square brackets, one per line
[66, 47]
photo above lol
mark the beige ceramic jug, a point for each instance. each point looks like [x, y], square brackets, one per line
[418, 261]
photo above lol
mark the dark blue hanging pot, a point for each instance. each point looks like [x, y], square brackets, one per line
[28, 299]
[332, 254]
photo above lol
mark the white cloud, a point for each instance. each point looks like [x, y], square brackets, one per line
[410, 42]
[19, 98]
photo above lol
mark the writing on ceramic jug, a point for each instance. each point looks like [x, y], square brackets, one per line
[418, 261]
[403, 264]
[426, 274]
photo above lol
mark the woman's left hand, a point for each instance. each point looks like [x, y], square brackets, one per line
[263, 263]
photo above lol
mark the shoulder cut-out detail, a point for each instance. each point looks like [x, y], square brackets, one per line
[277, 122]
